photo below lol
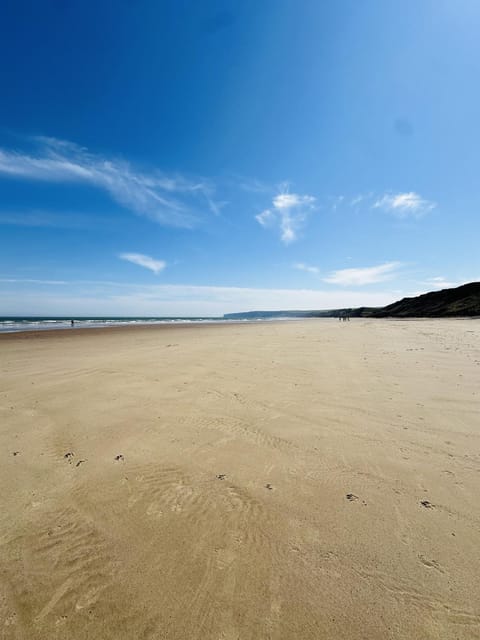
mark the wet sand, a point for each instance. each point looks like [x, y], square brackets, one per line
[306, 480]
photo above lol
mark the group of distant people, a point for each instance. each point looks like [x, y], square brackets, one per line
[344, 318]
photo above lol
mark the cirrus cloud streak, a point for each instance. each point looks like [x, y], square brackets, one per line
[169, 200]
[363, 275]
[405, 204]
[142, 260]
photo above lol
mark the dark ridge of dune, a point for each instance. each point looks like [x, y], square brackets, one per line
[447, 303]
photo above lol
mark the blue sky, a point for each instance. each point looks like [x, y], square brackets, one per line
[197, 158]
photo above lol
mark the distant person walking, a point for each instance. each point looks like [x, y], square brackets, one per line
[72, 323]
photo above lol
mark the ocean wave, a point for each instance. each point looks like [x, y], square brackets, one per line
[13, 325]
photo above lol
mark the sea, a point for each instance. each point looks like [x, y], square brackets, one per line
[10, 324]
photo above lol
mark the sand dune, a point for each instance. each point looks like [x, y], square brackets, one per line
[307, 480]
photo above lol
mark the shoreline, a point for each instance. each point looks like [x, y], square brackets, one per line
[161, 326]
[43, 333]
[82, 331]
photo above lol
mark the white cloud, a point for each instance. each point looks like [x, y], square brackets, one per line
[305, 267]
[144, 261]
[288, 212]
[265, 218]
[363, 275]
[168, 200]
[439, 282]
[404, 204]
[287, 201]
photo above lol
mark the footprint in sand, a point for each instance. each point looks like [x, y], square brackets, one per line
[427, 504]
[431, 564]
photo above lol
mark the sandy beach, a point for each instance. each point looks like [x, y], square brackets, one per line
[283, 480]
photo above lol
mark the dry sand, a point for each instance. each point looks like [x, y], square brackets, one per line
[226, 516]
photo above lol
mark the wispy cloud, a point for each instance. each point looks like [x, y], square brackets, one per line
[357, 200]
[169, 200]
[404, 204]
[363, 275]
[251, 185]
[337, 202]
[439, 282]
[144, 261]
[32, 281]
[301, 266]
[288, 212]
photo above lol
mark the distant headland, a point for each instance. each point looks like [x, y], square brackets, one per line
[463, 301]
